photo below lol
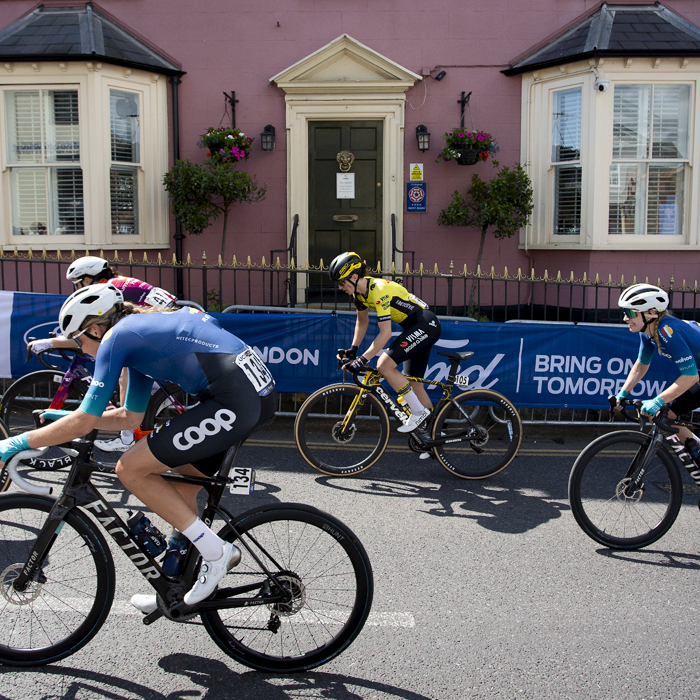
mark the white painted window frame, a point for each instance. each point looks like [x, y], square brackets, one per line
[93, 82]
[596, 151]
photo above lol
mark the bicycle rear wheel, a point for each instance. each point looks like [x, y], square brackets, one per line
[325, 570]
[36, 391]
[334, 440]
[598, 495]
[491, 432]
[64, 608]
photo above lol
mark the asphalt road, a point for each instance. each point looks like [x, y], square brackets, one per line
[483, 590]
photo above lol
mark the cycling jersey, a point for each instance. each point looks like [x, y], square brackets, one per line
[141, 293]
[680, 343]
[168, 346]
[391, 301]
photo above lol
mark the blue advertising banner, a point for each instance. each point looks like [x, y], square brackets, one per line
[546, 365]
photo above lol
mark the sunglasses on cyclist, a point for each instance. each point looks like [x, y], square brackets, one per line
[630, 314]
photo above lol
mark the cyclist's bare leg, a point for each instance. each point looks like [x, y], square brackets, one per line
[389, 370]
[139, 471]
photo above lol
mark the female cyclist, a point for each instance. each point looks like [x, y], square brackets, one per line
[236, 392]
[93, 270]
[646, 312]
[392, 302]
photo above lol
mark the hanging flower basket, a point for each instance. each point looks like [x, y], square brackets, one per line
[469, 156]
[226, 145]
[467, 147]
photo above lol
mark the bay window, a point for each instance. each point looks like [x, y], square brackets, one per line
[612, 169]
[83, 148]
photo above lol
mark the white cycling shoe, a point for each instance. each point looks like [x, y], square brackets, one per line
[145, 603]
[211, 572]
[414, 420]
[114, 445]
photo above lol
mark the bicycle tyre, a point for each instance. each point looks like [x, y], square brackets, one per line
[326, 566]
[160, 409]
[600, 507]
[57, 616]
[33, 391]
[320, 417]
[5, 480]
[499, 428]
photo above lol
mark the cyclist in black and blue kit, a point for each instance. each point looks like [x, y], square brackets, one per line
[646, 312]
[236, 392]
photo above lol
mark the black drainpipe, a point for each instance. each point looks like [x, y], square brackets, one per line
[179, 235]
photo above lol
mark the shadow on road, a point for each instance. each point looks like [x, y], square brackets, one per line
[652, 557]
[494, 506]
[213, 680]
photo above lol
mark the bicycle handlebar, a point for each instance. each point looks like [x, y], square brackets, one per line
[660, 419]
[60, 351]
[11, 467]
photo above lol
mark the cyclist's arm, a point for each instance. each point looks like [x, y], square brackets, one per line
[361, 325]
[636, 375]
[62, 342]
[380, 341]
[680, 386]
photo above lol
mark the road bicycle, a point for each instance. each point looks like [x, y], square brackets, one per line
[54, 388]
[626, 488]
[343, 429]
[299, 596]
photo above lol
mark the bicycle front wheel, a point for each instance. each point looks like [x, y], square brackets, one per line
[341, 430]
[605, 505]
[322, 568]
[65, 605]
[490, 431]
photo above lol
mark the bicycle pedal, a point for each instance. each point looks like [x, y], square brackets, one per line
[152, 616]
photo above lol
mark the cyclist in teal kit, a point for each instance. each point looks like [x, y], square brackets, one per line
[646, 312]
[236, 396]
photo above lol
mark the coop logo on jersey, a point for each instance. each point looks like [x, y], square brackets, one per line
[667, 331]
[195, 434]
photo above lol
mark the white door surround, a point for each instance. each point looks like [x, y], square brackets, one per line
[345, 80]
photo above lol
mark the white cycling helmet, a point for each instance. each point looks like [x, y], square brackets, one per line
[643, 297]
[89, 265]
[96, 300]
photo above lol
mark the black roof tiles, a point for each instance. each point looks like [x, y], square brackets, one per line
[615, 30]
[69, 33]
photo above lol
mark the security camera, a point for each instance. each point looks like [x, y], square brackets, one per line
[440, 75]
[601, 85]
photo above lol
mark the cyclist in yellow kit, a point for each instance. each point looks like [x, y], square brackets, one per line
[392, 302]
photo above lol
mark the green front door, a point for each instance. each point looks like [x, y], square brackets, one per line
[339, 224]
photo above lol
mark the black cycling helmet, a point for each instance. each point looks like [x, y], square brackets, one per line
[344, 265]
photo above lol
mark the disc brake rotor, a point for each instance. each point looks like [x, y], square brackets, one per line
[636, 496]
[10, 594]
[343, 435]
[292, 585]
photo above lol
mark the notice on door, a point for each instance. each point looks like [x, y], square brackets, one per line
[345, 185]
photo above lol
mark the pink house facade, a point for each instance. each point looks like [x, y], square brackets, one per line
[599, 102]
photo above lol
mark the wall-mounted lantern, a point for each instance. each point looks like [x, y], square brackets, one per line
[423, 137]
[267, 138]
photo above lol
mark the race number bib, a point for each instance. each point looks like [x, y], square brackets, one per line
[158, 297]
[462, 380]
[242, 481]
[256, 371]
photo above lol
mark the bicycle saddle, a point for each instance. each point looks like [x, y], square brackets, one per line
[456, 355]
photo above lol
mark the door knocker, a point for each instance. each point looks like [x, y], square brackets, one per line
[345, 160]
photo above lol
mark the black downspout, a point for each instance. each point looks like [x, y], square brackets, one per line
[179, 235]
